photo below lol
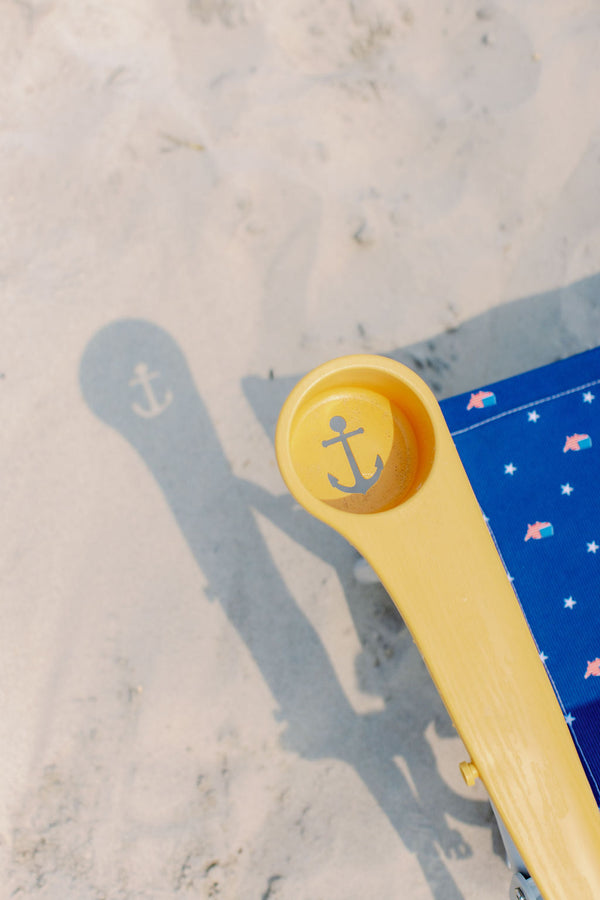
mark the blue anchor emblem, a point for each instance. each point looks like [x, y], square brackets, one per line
[361, 484]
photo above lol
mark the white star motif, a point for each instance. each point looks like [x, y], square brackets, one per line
[569, 719]
[510, 469]
[588, 397]
[592, 547]
[533, 416]
[569, 603]
[543, 657]
[566, 489]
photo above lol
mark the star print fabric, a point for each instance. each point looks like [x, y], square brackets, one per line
[531, 448]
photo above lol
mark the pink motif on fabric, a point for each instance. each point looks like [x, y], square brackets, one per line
[593, 668]
[481, 399]
[577, 442]
[539, 530]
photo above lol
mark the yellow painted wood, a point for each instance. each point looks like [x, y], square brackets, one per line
[420, 527]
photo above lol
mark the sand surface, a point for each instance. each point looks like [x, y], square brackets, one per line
[197, 697]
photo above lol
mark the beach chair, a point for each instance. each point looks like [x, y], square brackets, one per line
[482, 520]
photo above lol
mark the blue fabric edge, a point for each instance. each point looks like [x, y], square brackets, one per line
[527, 388]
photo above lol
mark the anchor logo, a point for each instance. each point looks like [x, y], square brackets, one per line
[143, 377]
[361, 484]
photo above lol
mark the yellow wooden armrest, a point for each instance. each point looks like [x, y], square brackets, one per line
[362, 444]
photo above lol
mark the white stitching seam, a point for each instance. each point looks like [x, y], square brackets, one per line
[517, 409]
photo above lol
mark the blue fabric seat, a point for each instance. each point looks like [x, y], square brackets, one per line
[531, 448]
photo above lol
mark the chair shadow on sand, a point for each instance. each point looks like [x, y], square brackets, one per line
[135, 378]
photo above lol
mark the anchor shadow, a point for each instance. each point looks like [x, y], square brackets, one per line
[215, 512]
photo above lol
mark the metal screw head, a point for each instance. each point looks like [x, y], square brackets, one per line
[519, 895]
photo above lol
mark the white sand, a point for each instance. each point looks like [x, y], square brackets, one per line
[206, 704]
